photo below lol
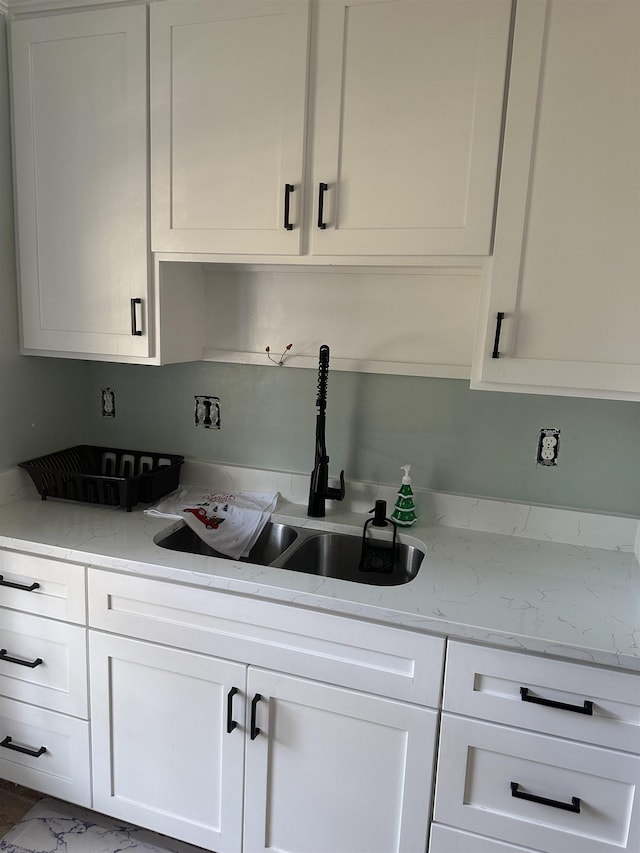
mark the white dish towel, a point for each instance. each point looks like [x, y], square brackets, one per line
[229, 522]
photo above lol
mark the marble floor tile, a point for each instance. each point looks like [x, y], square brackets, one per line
[15, 802]
[52, 826]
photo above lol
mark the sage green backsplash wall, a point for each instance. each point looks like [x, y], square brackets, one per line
[42, 401]
[457, 440]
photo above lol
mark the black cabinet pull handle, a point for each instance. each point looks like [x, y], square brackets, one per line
[496, 341]
[288, 189]
[231, 723]
[322, 190]
[586, 708]
[255, 731]
[25, 587]
[573, 806]
[30, 663]
[134, 323]
[36, 753]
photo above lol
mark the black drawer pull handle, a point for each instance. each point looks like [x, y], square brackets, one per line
[573, 806]
[36, 753]
[255, 731]
[30, 663]
[496, 340]
[231, 723]
[586, 708]
[24, 586]
[134, 320]
[288, 189]
[322, 190]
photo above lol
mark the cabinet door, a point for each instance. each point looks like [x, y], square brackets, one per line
[408, 114]
[567, 255]
[332, 769]
[553, 794]
[80, 143]
[228, 100]
[46, 751]
[43, 662]
[163, 757]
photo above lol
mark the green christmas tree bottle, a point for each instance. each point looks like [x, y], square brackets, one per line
[404, 509]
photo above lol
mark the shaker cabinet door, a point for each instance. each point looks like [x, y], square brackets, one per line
[80, 142]
[408, 100]
[334, 769]
[561, 305]
[228, 101]
[163, 755]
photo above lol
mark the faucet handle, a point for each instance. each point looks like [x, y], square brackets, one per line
[337, 494]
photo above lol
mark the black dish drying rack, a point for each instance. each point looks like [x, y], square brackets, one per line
[105, 475]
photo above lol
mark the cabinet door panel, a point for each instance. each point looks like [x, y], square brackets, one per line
[482, 762]
[59, 681]
[488, 683]
[80, 104]
[59, 590]
[332, 769]
[567, 255]
[228, 83]
[408, 116]
[63, 768]
[161, 751]
[444, 839]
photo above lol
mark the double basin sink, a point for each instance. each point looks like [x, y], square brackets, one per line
[316, 552]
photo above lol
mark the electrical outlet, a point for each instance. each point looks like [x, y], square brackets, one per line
[548, 447]
[207, 412]
[108, 403]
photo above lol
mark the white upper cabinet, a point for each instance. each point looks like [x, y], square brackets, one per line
[80, 143]
[228, 103]
[408, 100]
[566, 268]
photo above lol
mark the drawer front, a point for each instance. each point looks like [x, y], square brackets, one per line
[571, 700]
[43, 662]
[59, 590]
[514, 785]
[445, 839]
[373, 658]
[62, 769]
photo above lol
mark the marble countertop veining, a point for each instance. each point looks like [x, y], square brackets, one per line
[571, 601]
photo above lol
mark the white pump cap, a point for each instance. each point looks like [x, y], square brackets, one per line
[406, 480]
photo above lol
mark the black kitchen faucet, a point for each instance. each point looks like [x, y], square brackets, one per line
[319, 489]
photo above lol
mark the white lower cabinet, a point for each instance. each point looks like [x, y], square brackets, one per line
[44, 727]
[235, 756]
[445, 839]
[557, 794]
[561, 777]
[46, 751]
[162, 757]
[335, 770]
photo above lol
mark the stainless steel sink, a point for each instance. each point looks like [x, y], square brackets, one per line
[337, 555]
[273, 541]
[331, 555]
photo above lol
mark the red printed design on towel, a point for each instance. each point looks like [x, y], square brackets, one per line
[211, 522]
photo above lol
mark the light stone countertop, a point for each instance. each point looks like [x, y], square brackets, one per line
[568, 600]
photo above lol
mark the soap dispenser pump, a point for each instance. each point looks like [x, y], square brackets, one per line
[404, 509]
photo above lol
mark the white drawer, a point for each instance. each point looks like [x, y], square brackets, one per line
[509, 687]
[373, 658]
[43, 662]
[445, 839]
[62, 769]
[481, 763]
[42, 586]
